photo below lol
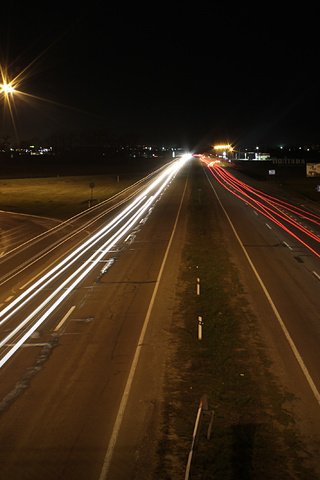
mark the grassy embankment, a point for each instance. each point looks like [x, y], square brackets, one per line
[57, 197]
[305, 188]
[254, 435]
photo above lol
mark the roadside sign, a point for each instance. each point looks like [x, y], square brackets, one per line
[313, 169]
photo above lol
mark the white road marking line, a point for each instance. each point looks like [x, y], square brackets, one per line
[107, 265]
[316, 274]
[64, 318]
[272, 305]
[267, 224]
[126, 393]
[43, 344]
[287, 245]
[157, 186]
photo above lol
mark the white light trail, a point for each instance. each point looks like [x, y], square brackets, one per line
[46, 279]
[83, 213]
[85, 268]
[27, 295]
[81, 272]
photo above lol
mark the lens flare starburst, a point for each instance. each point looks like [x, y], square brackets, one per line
[6, 88]
[11, 94]
[7, 93]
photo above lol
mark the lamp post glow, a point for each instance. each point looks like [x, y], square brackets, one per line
[8, 93]
[6, 88]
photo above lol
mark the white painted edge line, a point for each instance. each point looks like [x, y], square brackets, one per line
[67, 315]
[272, 305]
[25, 345]
[287, 245]
[267, 224]
[123, 403]
[316, 274]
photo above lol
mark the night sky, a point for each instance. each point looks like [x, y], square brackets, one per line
[164, 73]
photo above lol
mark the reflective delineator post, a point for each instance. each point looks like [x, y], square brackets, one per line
[198, 286]
[200, 323]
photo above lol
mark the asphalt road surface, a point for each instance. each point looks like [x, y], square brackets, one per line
[64, 393]
[81, 398]
[286, 270]
[17, 229]
[281, 281]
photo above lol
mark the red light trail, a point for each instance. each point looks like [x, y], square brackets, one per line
[276, 210]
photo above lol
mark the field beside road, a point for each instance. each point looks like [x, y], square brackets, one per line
[58, 197]
[292, 179]
[306, 188]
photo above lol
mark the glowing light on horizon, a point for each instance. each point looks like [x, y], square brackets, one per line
[225, 146]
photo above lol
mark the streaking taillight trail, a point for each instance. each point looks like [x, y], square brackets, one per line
[276, 210]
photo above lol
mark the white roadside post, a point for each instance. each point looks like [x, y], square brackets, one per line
[198, 286]
[200, 323]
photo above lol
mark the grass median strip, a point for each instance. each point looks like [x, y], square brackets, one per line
[254, 434]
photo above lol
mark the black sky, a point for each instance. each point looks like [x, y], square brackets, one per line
[179, 74]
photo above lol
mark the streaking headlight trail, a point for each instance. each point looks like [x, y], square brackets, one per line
[105, 239]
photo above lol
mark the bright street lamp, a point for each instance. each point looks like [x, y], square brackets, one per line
[6, 88]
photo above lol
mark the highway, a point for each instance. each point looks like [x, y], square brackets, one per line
[85, 321]
[299, 223]
[35, 241]
[17, 229]
[70, 338]
[275, 243]
[74, 268]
